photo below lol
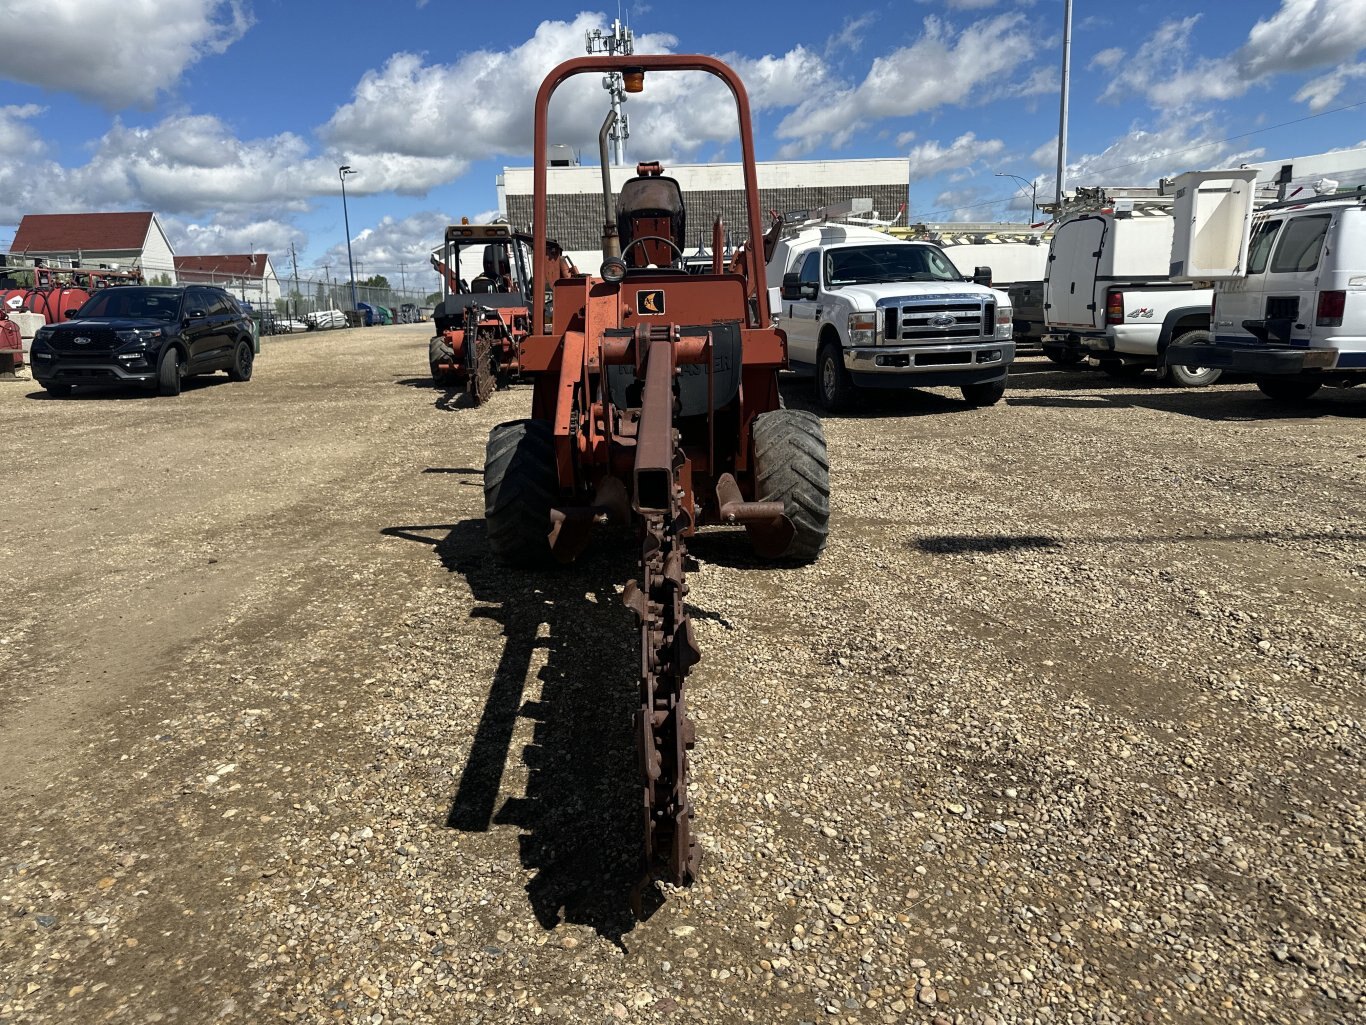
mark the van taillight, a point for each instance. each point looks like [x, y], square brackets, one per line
[1114, 308]
[1331, 305]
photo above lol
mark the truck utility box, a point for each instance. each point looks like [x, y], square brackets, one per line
[1092, 251]
[1211, 221]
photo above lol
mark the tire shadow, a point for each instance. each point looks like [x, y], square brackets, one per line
[580, 816]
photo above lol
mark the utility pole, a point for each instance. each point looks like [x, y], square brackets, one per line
[294, 258]
[619, 42]
[402, 279]
[1062, 116]
[342, 172]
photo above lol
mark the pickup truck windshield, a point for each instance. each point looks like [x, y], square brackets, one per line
[863, 265]
[128, 303]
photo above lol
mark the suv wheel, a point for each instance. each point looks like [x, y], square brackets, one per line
[168, 373]
[242, 360]
[834, 388]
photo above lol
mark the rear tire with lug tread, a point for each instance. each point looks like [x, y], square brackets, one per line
[521, 484]
[243, 358]
[834, 388]
[987, 394]
[792, 467]
[168, 373]
[1192, 377]
[1289, 389]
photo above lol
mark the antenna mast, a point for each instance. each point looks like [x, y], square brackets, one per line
[619, 42]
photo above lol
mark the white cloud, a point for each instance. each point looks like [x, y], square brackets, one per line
[398, 248]
[850, 37]
[236, 236]
[113, 52]
[677, 115]
[1303, 35]
[1141, 156]
[1322, 91]
[1108, 58]
[930, 158]
[941, 67]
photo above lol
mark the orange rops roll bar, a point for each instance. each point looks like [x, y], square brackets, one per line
[648, 62]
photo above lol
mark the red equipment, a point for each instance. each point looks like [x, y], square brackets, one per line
[656, 404]
[11, 343]
[480, 325]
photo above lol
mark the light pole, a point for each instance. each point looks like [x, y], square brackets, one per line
[1033, 192]
[342, 172]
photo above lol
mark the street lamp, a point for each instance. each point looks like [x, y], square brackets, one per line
[1033, 192]
[342, 172]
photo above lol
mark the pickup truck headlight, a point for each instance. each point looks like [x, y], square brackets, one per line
[863, 329]
[1005, 321]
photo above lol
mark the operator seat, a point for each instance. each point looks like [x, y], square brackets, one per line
[651, 204]
[497, 269]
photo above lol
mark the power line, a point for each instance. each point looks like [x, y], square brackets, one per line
[1184, 149]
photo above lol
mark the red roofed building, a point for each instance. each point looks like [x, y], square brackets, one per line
[122, 240]
[247, 276]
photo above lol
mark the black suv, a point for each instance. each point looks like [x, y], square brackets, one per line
[149, 335]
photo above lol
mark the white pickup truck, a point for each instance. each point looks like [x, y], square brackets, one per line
[862, 309]
[1107, 293]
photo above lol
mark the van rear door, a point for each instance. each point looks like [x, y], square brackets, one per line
[1292, 279]
[1070, 290]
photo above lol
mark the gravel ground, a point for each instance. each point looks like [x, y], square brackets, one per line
[1065, 726]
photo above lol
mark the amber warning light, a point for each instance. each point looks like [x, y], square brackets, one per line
[633, 79]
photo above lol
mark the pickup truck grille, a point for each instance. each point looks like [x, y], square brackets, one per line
[945, 319]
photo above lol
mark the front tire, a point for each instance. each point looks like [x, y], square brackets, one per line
[168, 373]
[981, 395]
[792, 467]
[1288, 389]
[521, 483]
[834, 387]
[243, 358]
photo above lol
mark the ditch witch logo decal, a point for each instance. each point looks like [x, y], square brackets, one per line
[650, 302]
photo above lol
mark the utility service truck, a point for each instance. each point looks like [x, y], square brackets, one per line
[862, 309]
[1289, 279]
[1108, 294]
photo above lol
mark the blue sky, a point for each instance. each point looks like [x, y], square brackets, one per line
[229, 117]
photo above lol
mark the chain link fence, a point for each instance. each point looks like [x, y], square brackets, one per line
[286, 305]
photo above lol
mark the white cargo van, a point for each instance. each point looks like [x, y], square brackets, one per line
[1293, 312]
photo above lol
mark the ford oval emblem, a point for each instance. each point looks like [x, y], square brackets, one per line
[81, 340]
[943, 320]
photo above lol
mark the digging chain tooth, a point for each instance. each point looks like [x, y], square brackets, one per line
[664, 730]
[481, 383]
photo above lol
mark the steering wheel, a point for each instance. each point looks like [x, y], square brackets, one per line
[655, 238]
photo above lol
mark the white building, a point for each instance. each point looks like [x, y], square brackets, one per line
[125, 241]
[576, 214]
[249, 276]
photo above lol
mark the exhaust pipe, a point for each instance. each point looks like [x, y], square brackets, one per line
[611, 241]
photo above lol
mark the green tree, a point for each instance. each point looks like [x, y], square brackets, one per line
[376, 281]
[432, 299]
[160, 279]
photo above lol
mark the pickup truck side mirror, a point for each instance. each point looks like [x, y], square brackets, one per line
[982, 276]
[791, 289]
[809, 289]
